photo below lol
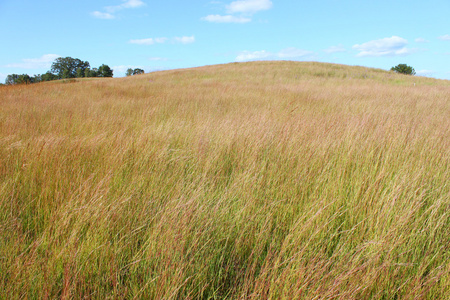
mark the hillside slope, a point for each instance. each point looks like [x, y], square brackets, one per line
[260, 180]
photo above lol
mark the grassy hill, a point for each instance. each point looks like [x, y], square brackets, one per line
[260, 180]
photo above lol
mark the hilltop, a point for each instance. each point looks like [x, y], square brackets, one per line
[259, 180]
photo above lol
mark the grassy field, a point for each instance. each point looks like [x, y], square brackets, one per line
[260, 180]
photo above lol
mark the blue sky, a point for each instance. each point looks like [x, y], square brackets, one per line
[159, 35]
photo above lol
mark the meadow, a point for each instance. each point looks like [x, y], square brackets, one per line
[259, 180]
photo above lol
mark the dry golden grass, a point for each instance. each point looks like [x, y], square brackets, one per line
[262, 180]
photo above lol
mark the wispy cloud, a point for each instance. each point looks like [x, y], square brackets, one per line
[425, 73]
[293, 53]
[253, 55]
[149, 41]
[421, 40]
[445, 37]
[248, 6]
[383, 47]
[240, 11]
[288, 53]
[43, 62]
[226, 19]
[110, 11]
[335, 49]
[184, 39]
[102, 15]
[162, 40]
[125, 5]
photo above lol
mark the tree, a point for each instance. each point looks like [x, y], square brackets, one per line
[67, 67]
[24, 78]
[36, 78]
[62, 68]
[404, 69]
[138, 71]
[80, 73]
[105, 71]
[48, 76]
[11, 79]
[91, 72]
[18, 79]
[87, 72]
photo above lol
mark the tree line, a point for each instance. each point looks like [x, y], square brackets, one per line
[63, 68]
[137, 71]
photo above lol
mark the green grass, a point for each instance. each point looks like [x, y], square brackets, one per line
[263, 180]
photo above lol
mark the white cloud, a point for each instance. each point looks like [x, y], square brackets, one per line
[288, 53]
[162, 40]
[383, 47]
[226, 19]
[255, 55]
[248, 6]
[43, 62]
[110, 10]
[425, 73]
[102, 15]
[122, 69]
[421, 40]
[185, 39]
[293, 53]
[149, 41]
[244, 8]
[335, 49]
[132, 4]
[445, 37]
[125, 5]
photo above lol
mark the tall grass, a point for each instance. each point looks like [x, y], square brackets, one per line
[264, 180]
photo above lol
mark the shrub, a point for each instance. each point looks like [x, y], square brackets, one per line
[404, 69]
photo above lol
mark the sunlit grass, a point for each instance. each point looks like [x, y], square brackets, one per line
[264, 180]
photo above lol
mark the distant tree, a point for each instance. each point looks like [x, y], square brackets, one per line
[62, 68]
[67, 67]
[67, 74]
[105, 71]
[24, 79]
[48, 76]
[36, 78]
[91, 72]
[18, 79]
[81, 73]
[11, 79]
[138, 71]
[404, 69]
